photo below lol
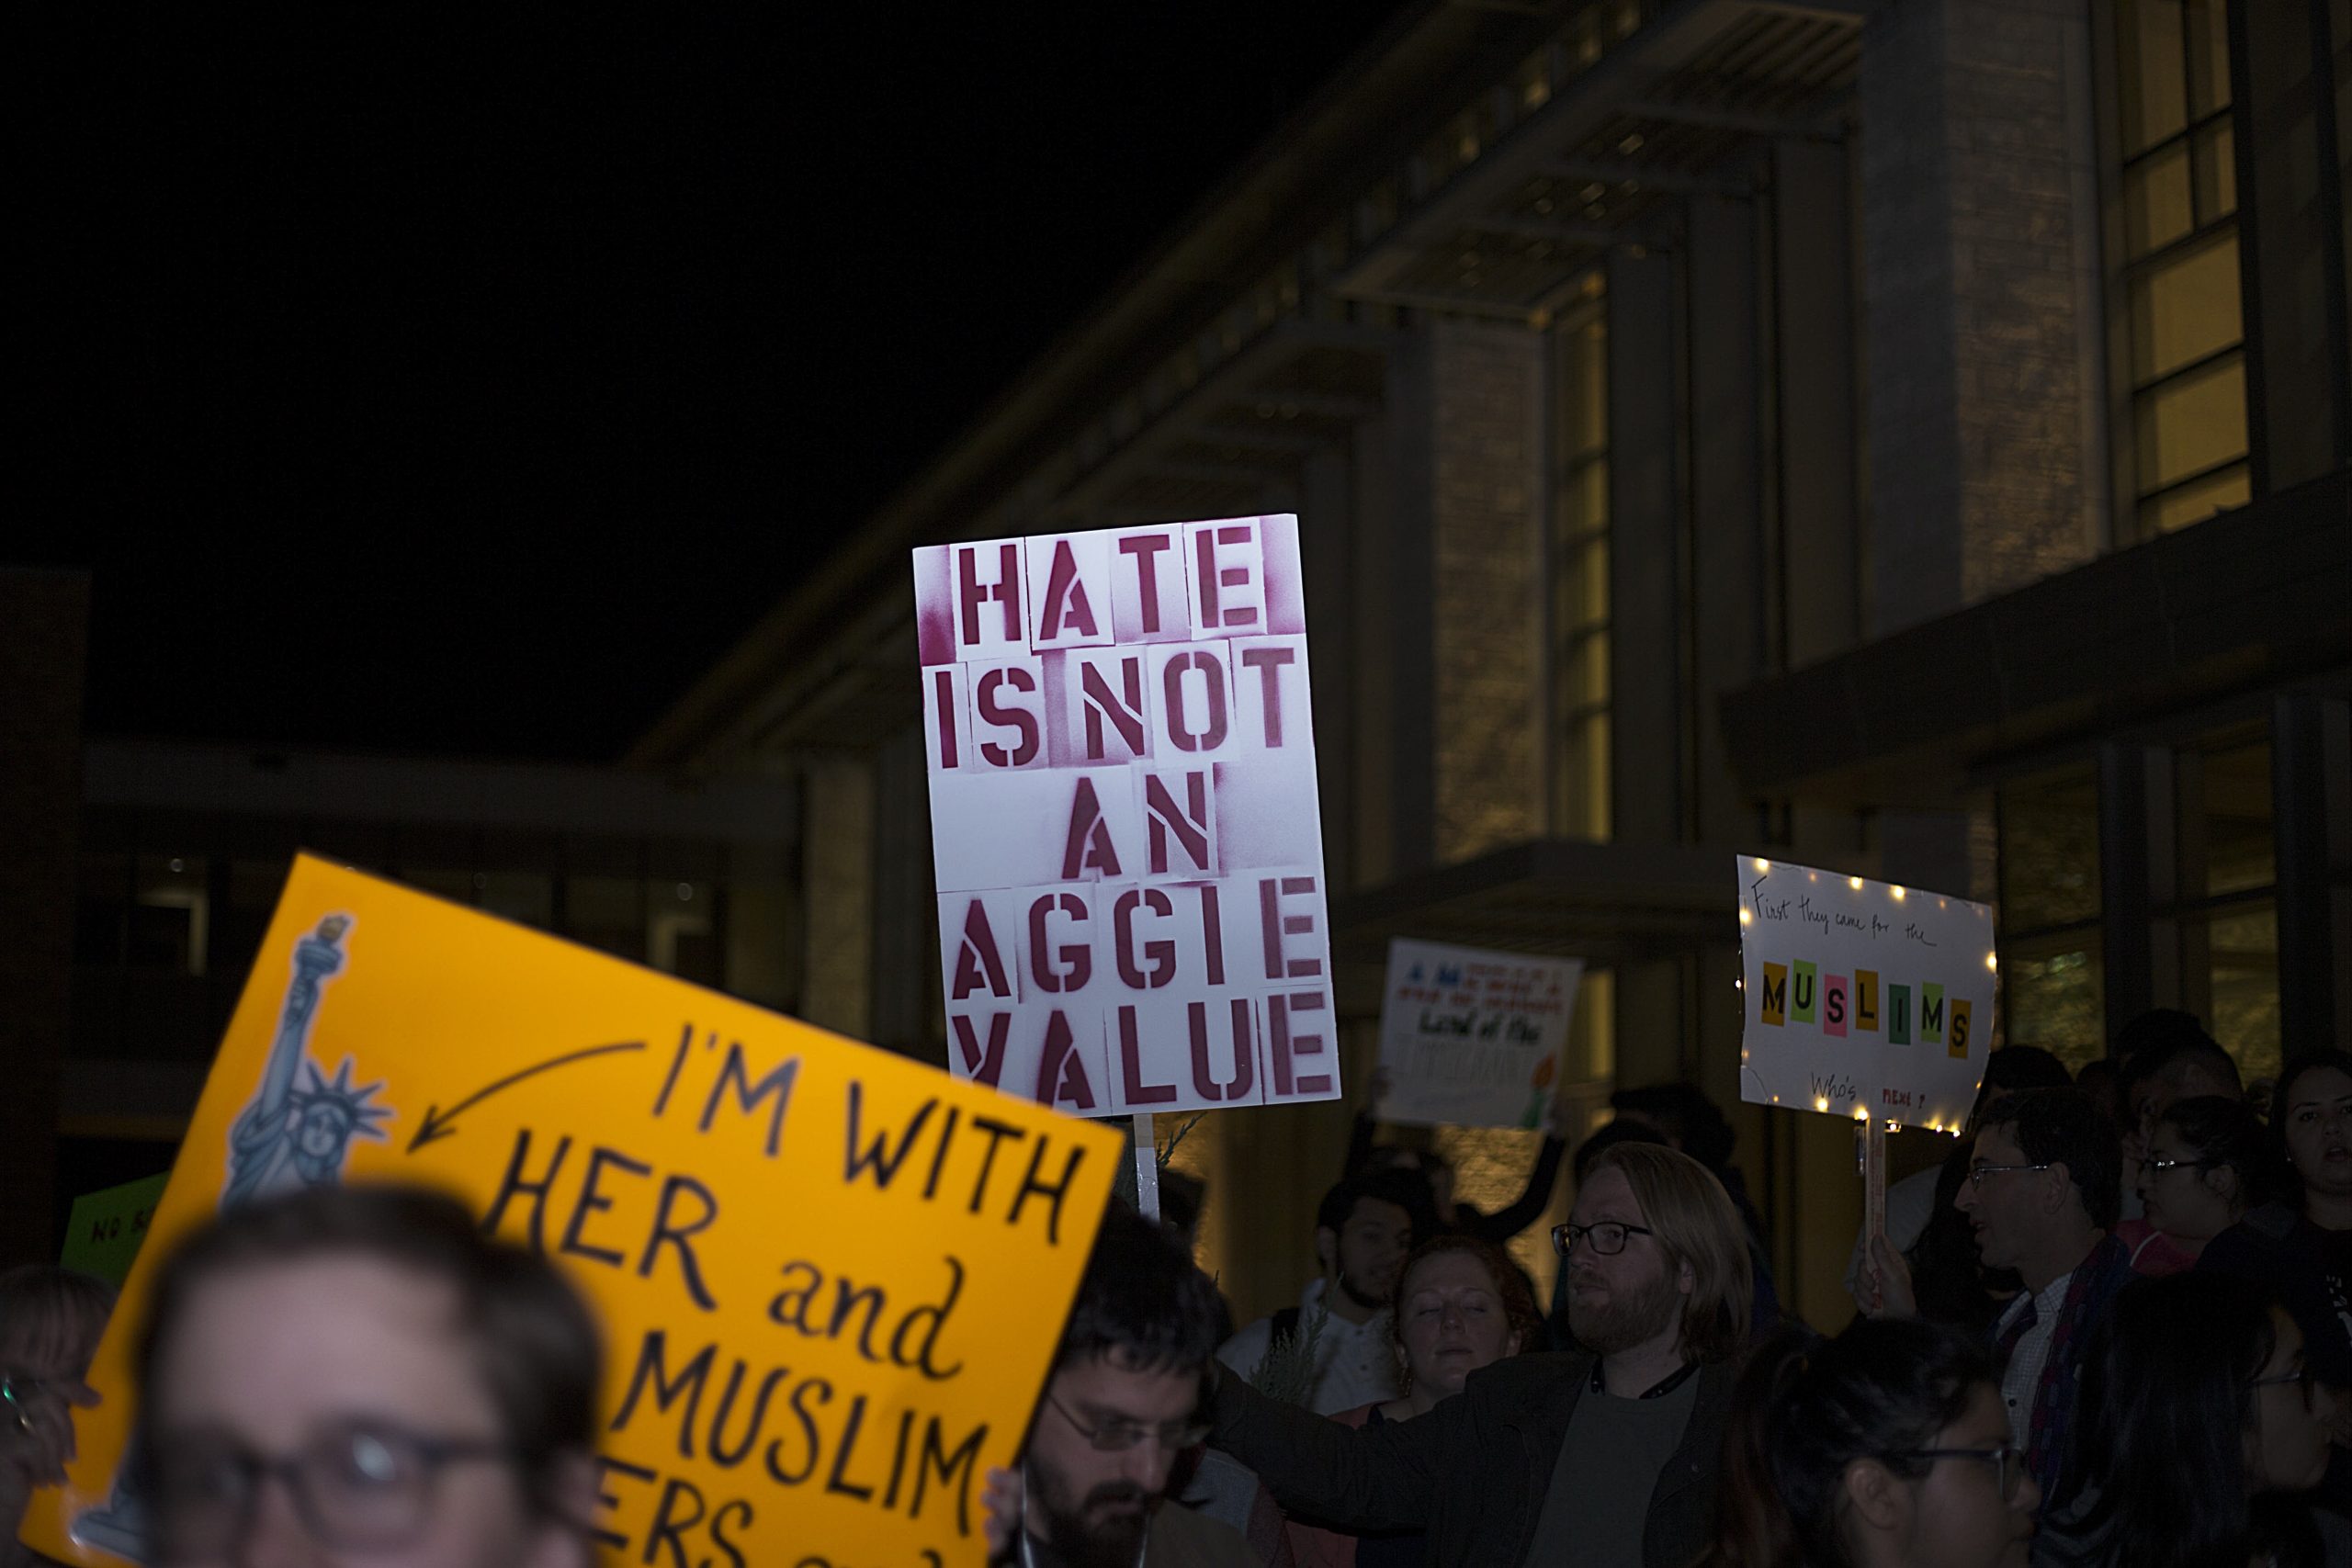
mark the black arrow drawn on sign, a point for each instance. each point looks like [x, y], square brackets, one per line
[436, 1120]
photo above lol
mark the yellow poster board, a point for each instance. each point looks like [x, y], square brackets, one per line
[899, 1246]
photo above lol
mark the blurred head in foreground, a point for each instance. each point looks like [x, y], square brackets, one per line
[357, 1375]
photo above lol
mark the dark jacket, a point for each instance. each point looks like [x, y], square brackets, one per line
[2276, 1246]
[1474, 1471]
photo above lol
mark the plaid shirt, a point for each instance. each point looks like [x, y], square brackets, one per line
[2090, 1289]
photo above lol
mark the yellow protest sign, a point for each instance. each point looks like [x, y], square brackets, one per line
[885, 1254]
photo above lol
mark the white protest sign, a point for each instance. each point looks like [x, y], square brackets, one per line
[1863, 999]
[1470, 1038]
[1125, 822]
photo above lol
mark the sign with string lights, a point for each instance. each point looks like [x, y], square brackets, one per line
[1863, 999]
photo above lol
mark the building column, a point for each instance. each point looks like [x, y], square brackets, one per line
[837, 893]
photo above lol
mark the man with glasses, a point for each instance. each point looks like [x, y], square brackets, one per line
[2042, 1195]
[1604, 1458]
[1122, 1406]
[357, 1374]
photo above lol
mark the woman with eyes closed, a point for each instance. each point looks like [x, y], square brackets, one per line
[1461, 1305]
[355, 1377]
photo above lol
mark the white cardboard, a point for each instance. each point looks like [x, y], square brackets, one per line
[1862, 997]
[1159, 908]
[1472, 1038]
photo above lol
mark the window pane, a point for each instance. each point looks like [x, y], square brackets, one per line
[2217, 174]
[2151, 74]
[2226, 835]
[608, 913]
[2242, 946]
[2195, 502]
[2185, 310]
[525, 895]
[2195, 422]
[2156, 207]
[2050, 850]
[2209, 56]
[2056, 1000]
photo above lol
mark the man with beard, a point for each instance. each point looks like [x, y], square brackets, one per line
[1122, 1406]
[1604, 1458]
[1364, 1229]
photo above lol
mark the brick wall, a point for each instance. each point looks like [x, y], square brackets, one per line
[1487, 493]
[1979, 256]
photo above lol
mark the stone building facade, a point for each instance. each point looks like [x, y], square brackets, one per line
[1908, 437]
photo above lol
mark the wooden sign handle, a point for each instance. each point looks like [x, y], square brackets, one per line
[1147, 1168]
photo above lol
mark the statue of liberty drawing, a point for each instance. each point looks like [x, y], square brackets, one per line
[294, 1133]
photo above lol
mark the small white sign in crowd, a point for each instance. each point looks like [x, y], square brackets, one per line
[1470, 1038]
[1124, 821]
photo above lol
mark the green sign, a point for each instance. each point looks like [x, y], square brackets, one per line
[107, 1227]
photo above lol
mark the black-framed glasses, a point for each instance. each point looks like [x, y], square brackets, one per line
[365, 1487]
[2160, 1165]
[1117, 1436]
[1978, 1173]
[2301, 1377]
[2006, 1458]
[1607, 1238]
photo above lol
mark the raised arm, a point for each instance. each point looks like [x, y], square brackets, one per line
[1374, 1478]
[1524, 1210]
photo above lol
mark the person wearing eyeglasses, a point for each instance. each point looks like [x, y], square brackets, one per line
[1884, 1447]
[2206, 1162]
[355, 1377]
[2199, 1419]
[1607, 1457]
[2042, 1194]
[50, 1319]
[2300, 1245]
[1121, 1408]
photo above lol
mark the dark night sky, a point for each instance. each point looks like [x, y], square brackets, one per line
[468, 388]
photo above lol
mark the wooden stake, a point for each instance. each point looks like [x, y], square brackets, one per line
[1874, 1176]
[1147, 1168]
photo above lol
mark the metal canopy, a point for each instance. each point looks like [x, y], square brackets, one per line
[1644, 109]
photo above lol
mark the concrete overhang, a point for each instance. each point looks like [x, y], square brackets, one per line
[2243, 602]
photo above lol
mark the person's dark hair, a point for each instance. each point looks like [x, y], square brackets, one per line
[1510, 1286]
[2170, 1054]
[1142, 1302]
[2155, 1029]
[51, 1318]
[1606, 1138]
[2165, 1401]
[1805, 1408]
[2098, 1079]
[533, 1344]
[2224, 1133]
[2297, 1066]
[1182, 1198]
[1688, 1117]
[2013, 1067]
[2055, 1126]
[1402, 1185]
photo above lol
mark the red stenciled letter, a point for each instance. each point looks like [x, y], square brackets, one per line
[1089, 848]
[1064, 595]
[1268, 662]
[970, 594]
[1144, 548]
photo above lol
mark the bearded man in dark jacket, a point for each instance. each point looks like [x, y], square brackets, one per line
[1605, 1458]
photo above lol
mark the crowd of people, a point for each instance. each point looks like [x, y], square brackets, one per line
[2113, 1329]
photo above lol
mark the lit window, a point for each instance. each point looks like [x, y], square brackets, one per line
[1580, 680]
[2178, 278]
